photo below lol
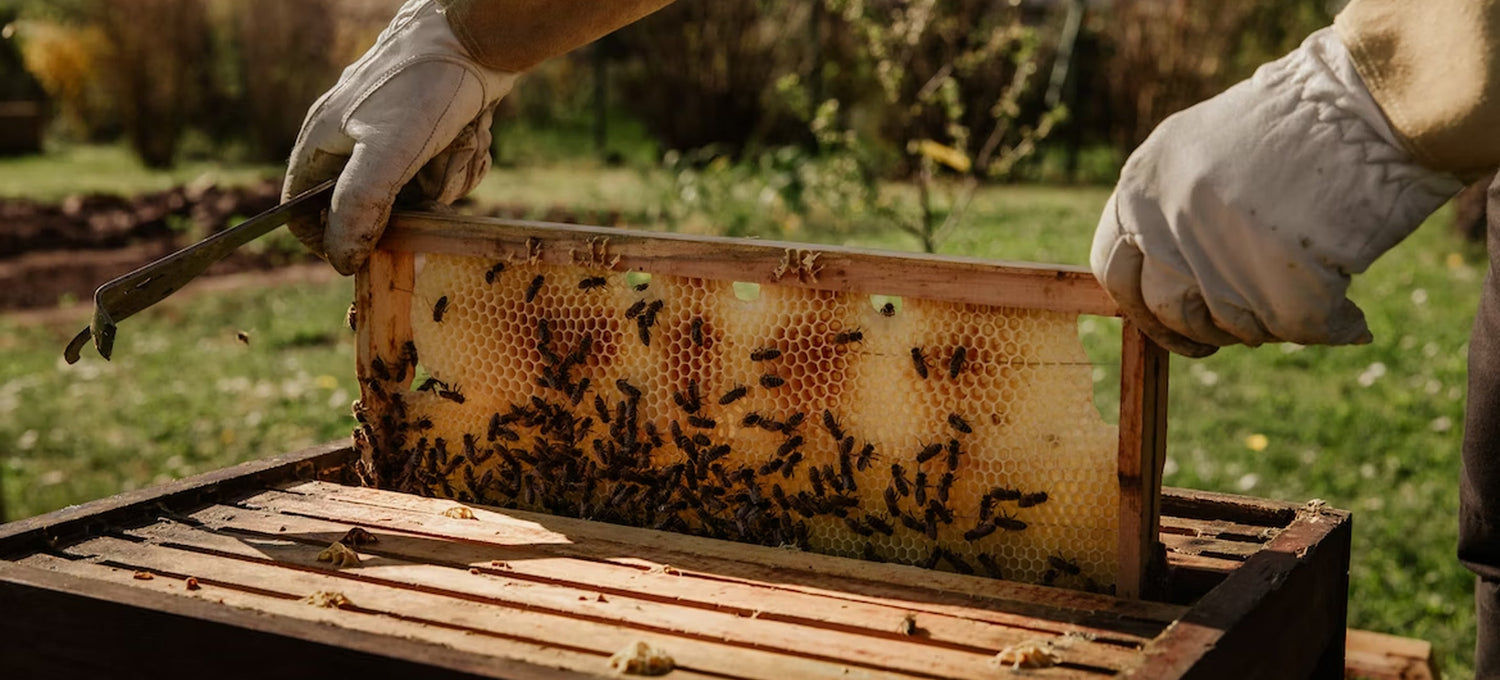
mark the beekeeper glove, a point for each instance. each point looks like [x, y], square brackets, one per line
[1241, 219]
[415, 105]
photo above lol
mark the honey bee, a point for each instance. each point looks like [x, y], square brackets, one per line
[591, 283]
[534, 287]
[635, 310]
[892, 503]
[643, 330]
[1065, 566]
[940, 511]
[944, 484]
[1009, 523]
[651, 311]
[869, 554]
[815, 477]
[493, 272]
[958, 423]
[991, 568]
[733, 395]
[980, 531]
[953, 451]
[866, 455]
[765, 354]
[1031, 499]
[919, 488]
[919, 362]
[630, 390]
[879, 525]
[929, 452]
[1001, 493]
[832, 425]
[601, 408]
[642, 286]
[787, 446]
[898, 479]
[452, 394]
[846, 337]
[751, 419]
[771, 466]
[930, 525]
[888, 309]
[790, 467]
[702, 422]
[958, 564]
[378, 367]
[771, 381]
[440, 308]
[956, 364]
[911, 522]
[858, 527]
[697, 331]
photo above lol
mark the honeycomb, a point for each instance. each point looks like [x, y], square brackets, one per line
[950, 436]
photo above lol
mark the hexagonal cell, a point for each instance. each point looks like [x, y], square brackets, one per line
[761, 417]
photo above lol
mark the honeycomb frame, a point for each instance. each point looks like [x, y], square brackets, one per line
[389, 299]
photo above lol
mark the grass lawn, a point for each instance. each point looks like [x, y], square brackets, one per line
[1373, 429]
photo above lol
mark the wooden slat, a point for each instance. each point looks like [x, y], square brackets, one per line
[1107, 648]
[725, 643]
[1208, 505]
[1290, 598]
[1211, 547]
[1379, 656]
[24, 536]
[792, 568]
[1218, 529]
[244, 587]
[1142, 453]
[931, 277]
[60, 625]
[382, 302]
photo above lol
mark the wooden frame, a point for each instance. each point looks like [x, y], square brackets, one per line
[1262, 588]
[384, 288]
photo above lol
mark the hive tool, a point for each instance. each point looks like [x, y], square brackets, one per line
[121, 297]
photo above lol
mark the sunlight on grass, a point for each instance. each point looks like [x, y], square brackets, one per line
[83, 169]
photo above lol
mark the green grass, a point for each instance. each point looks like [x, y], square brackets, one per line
[86, 169]
[1373, 429]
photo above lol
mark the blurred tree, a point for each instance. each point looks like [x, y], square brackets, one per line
[703, 72]
[1165, 55]
[286, 59]
[156, 60]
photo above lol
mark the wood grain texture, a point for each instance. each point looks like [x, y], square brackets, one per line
[24, 536]
[1280, 615]
[1380, 656]
[1142, 453]
[786, 568]
[59, 624]
[931, 277]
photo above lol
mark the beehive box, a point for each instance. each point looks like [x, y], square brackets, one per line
[220, 576]
[922, 410]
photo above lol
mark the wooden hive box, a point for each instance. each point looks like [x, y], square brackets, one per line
[220, 574]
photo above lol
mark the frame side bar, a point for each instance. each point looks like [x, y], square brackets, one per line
[1142, 453]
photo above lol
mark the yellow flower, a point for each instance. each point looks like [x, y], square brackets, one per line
[326, 381]
[1257, 442]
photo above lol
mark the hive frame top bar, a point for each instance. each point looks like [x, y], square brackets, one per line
[1059, 288]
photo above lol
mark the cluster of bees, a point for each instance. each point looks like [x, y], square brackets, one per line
[586, 447]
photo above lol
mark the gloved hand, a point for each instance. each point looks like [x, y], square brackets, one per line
[1241, 219]
[415, 105]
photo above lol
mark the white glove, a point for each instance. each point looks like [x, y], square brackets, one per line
[415, 105]
[1241, 219]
